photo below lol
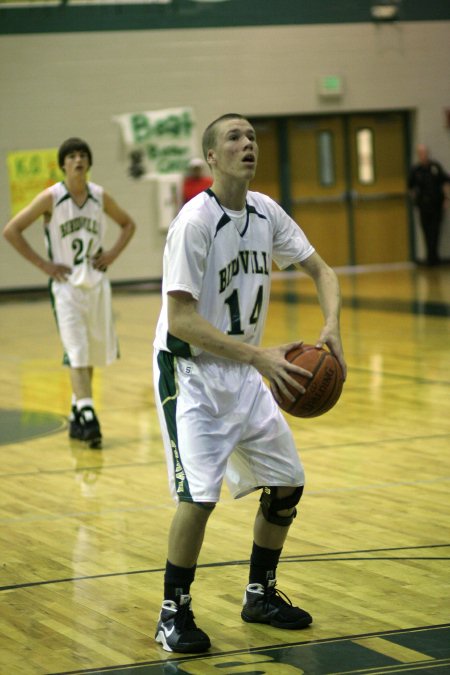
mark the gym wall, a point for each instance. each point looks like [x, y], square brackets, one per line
[59, 84]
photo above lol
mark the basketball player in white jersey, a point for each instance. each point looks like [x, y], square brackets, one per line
[218, 418]
[74, 226]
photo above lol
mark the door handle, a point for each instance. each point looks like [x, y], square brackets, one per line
[376, 196]
[324, 199]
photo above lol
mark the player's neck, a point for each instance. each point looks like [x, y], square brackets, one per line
[77, 185]
[231, 194]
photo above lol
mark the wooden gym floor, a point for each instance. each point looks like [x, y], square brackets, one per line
[83, 532]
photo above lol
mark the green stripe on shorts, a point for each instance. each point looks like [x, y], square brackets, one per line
[168, 393]
[65, 360]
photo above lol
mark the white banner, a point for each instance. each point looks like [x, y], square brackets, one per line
[159, 142]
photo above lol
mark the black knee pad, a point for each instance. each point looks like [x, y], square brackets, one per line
[270, 505]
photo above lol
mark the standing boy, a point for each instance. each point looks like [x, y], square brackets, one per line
[74, 225]
[218, 418]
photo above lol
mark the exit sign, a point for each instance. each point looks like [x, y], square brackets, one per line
[330, 85]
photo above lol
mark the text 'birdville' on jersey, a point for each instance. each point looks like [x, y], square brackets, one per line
[251, 262]
[80, 223]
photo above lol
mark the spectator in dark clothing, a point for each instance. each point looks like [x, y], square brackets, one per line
[429, 186]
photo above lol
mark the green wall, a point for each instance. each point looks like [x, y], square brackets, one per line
[192, 14]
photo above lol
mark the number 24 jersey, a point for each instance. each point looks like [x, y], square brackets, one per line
[74, 234]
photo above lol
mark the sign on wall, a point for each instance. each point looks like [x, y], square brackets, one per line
[30, 172]
[158, 142]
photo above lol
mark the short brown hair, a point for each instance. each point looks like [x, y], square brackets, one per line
[209, 135]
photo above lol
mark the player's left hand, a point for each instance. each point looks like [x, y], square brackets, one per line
[101, 260]
[332, 340]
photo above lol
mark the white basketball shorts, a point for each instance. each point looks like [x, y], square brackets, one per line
[85, 322]
[219, 420]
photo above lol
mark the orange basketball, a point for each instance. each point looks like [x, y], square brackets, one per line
[322, 390]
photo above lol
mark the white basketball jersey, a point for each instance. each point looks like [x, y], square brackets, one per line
[224, 260]
[75, 233]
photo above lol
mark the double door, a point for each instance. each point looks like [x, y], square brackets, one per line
[343, 179]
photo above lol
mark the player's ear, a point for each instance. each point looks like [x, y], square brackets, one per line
[211, 157]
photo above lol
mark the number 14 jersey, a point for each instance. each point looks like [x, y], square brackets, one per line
[224, 260]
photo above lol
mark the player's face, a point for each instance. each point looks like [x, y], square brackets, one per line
[76, 163]
[236, 151]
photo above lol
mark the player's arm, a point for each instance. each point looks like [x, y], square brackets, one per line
[328, 290]
[188, 325]
[13, 233]
[127, 228]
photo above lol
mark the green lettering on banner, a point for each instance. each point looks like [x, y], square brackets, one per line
[170, 126]
[186, 124]
[173, 125]
[169, 150]
[140, 126]
[156, 152]
[152, 151]
[167, 165]
[169, 158]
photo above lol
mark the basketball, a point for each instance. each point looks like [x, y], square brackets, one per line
[322, 390]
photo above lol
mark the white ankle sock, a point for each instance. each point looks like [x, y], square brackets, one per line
[85, 403]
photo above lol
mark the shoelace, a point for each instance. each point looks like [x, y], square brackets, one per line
[184, 619]
[273, 596]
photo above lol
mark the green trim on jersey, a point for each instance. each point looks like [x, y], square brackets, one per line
[48, 243]
[168, 394]
[178, 347]
[63, 199]
[69, 196]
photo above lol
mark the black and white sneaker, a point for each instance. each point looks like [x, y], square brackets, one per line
[176, 630]
[269, 605]
[90, 428]
[75, 428]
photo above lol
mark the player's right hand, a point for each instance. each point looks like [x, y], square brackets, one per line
[58, 272]
[271, 363]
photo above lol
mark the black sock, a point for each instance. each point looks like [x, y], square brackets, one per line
[177, 580]
[263, 564]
